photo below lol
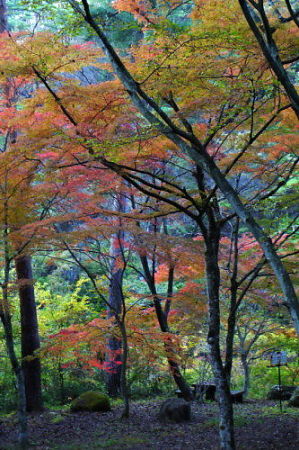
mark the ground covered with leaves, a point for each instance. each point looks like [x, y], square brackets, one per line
[259, 425]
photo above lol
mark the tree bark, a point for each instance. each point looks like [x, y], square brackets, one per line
[18, 372]
[9, 341]
[113, 378]
[123, 375]
[30, 342]
[210, 226]
[231, 326]
[232, 316]
[3, 16]
[246, 370]
[117, 378]
[226, 424]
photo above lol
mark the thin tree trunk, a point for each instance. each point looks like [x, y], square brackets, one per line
[246, 370]
[61, 383]
[123, 378]
[231, 325]
[17, 369]
[30, 342]
[113, 377]
[9, 340]
[232, 317]
[210, 228]
[117, 381]
[226, 426]
[3, 16]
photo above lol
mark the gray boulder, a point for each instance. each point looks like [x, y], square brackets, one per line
[294, 400]
[280, 392]
[175, 410]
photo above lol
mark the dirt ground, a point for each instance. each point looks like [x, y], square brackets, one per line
[259, 425]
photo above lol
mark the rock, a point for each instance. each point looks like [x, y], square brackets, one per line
[91, 401]
[175, 410]
[294, 400]
[280, 392]
[237, 396]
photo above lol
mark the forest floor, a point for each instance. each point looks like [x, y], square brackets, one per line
[259, 426]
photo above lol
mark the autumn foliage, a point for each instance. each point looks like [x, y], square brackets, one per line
[73, 141]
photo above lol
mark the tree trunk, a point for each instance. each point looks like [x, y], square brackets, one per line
[246, 370]
[113, 357]
[3, 16]
[18, 371]
[231, 325]
[226, 426]
[113, 378]
[231, 321]
[123, 377]
[9, 341]
[30, 342]
[61, 383]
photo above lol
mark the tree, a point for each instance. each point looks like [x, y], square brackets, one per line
[206, 212]
[5, 316]
[116, 299]
[29, 326]
[248, 334]
[191, 145]
[264, 20]
[30, 342]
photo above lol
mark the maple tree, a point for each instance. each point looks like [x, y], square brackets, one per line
[115, 303]
[228, 118]
[17, 179]
[196, 149]
[22, 201]
[248, 335]
[144, 104]
[5, 313]
[265, 19]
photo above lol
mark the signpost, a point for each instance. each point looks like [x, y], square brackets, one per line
[279, 359]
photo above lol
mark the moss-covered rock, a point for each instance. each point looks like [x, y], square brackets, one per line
[91, 401]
